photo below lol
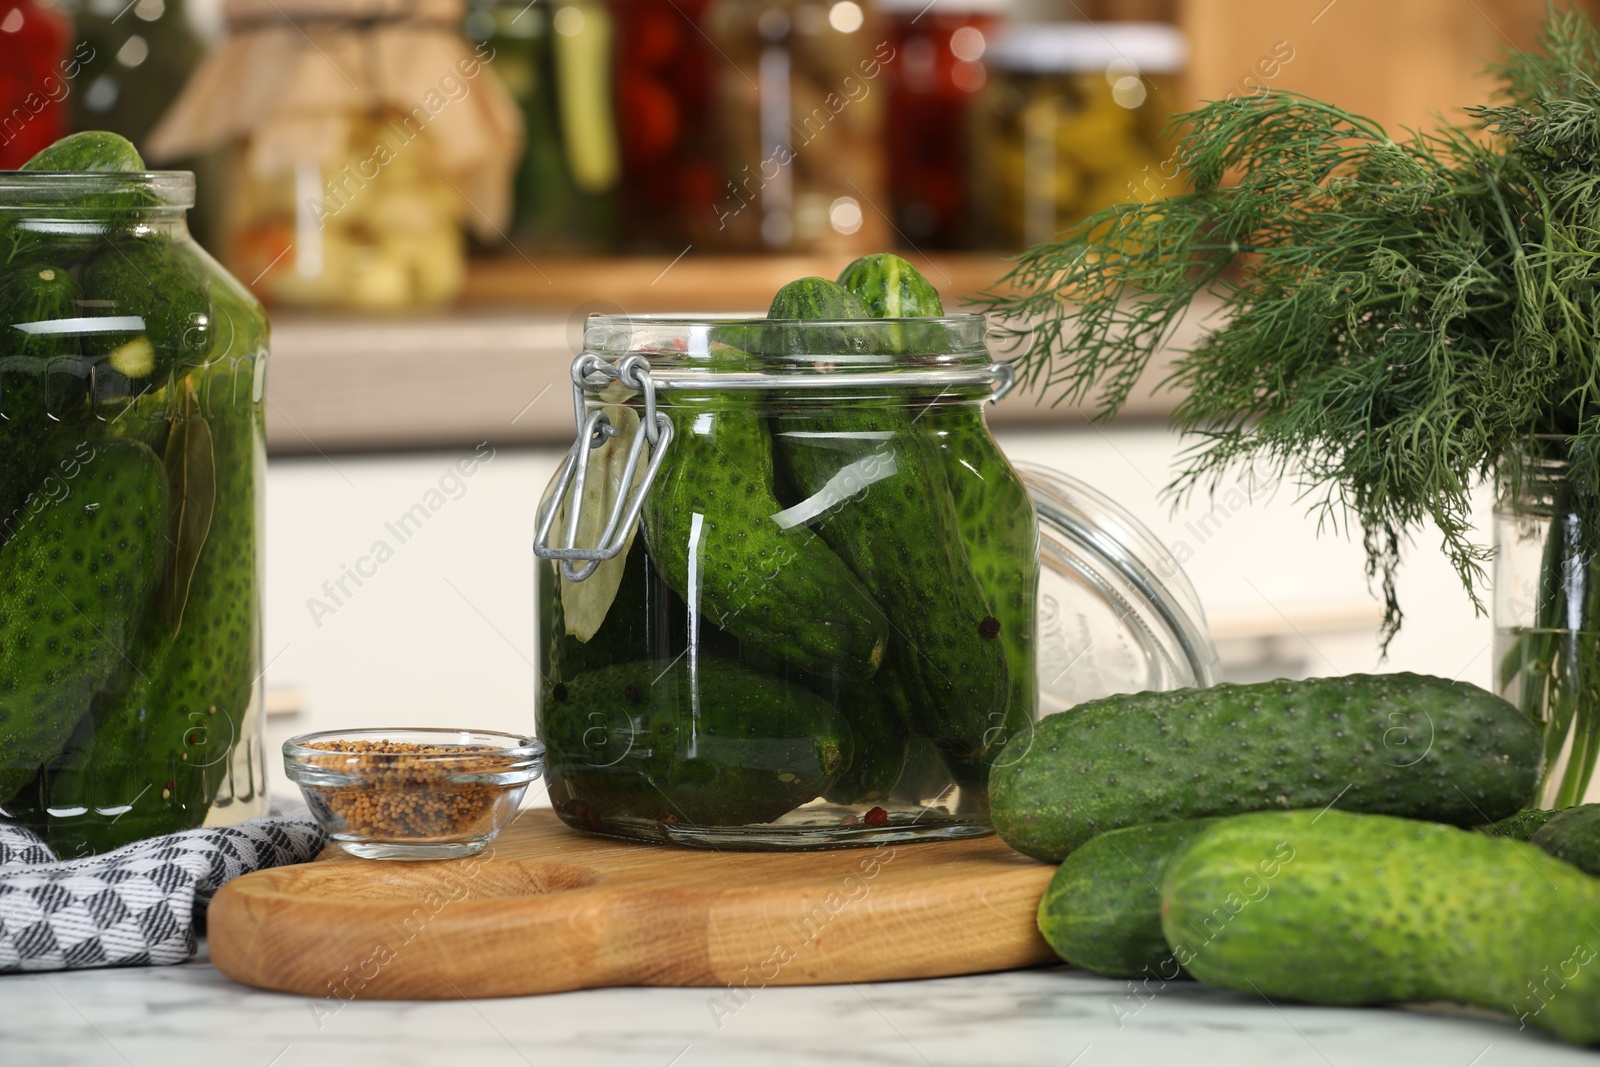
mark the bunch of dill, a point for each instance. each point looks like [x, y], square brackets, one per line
[1403, 317]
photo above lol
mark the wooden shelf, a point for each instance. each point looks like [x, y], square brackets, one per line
[359, 384]
[692, 283]
[497, 368]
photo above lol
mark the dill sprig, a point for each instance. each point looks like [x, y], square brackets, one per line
[1403, 317]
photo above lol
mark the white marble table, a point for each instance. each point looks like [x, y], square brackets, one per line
[191, 1015]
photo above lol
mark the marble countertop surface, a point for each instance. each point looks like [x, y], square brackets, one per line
[1052, 1017]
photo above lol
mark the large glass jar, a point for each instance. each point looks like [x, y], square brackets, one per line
[800, 107]
[310, 234]
[132, 370]
[555, 58]
[362, 136]
[933, 82]
[1072, 120]
[37, 68]
[664, 71]
[822, 615]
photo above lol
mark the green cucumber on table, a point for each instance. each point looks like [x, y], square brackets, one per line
[1395, 744]
[1573, 835]
[1102, 909]
[1330, 907]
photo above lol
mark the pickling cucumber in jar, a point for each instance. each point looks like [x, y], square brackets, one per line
[995, 517]
[154, 750]
[75, 578]
[880, 497]
[44, 380]
[709, 524]
[662, 746]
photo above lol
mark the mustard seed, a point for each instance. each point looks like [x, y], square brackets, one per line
[405, 790]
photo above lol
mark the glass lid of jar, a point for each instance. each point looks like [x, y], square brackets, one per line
[1116, 612]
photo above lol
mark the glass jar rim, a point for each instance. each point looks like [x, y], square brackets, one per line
[683, 343]
[469, 741]
[735, 318]
[29, 188]
[1529, 456]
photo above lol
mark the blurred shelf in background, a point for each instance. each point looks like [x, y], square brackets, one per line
[644, 285]
[497, 369]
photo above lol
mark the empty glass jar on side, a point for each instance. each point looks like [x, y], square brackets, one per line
[821, 629]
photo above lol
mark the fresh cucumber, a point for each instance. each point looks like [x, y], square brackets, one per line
[98, 152]
[818, 300]
[79, 572]
[1519, 827]
[1102, 909]
[1329, 907]
[1573, 834]
[1000, 531]
[696, 741]
[890, 288]
[1396, 744]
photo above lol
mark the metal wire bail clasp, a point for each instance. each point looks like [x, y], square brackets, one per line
[594, 429]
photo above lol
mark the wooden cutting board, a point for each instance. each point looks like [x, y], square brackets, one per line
[549, 909]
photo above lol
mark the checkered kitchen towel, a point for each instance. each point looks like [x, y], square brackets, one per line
[142, 904]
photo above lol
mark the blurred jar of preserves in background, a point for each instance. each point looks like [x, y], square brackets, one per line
[38, 71]
[664, 70]
[556, 57]
[1072, 121]
[937, 74]
[137, 56]
[800, 106]
[363, 134]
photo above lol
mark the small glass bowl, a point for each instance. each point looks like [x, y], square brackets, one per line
[413, 794]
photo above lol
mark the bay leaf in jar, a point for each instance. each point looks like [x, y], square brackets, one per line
[586, 603]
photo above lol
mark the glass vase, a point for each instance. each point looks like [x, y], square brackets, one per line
[1547, 624]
